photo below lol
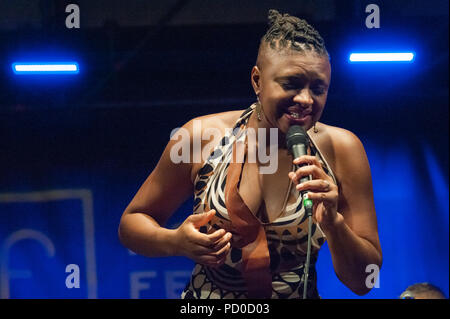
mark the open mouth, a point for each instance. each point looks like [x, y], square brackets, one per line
[294, 115]
[297, 114]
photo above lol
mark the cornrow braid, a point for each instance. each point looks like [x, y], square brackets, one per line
[286, 31]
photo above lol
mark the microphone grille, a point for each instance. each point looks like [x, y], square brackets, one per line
[296, 135]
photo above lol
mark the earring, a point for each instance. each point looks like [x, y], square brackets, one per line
[258, 109]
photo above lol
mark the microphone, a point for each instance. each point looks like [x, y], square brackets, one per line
[296, 142]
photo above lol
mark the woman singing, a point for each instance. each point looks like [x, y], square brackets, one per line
[248, 233]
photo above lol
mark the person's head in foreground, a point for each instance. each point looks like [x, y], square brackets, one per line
[292, 74]
[422, 291]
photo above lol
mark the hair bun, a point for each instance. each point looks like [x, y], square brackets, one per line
[290, 31]
[273, 16]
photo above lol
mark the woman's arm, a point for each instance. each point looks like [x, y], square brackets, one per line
[353, 241]
[166, 188]
[346, 213]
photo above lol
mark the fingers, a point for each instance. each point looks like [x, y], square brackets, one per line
[222, 241]
[329, 198]
[320, 191]
[311, 166]
[303, 171]
[218, 258]
[214, 256]
[222, 251]
[211, 260]
[209, 249]
[202, 219]
[316, 185]
[207, 240]
[212, 242]
[307, 160]
[216, 236]
[321, 188]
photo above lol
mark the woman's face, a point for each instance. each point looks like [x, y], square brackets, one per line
[292, 88]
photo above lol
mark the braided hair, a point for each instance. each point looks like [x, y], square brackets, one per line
[289, 32]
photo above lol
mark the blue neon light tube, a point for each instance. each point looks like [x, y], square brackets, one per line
[46, 68]
[382, 57]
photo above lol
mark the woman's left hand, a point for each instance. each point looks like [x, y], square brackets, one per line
[321, 190]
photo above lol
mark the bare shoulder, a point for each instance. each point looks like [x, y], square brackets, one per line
[197, 127]
[339, 136]
[208, 129]
[338, 145]
[220, 121]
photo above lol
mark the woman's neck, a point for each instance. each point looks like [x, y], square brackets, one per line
[256, 124]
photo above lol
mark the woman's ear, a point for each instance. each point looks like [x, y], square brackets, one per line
[255, 79]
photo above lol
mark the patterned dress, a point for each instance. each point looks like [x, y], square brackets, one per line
[286, 236]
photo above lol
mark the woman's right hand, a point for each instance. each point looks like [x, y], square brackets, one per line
[207, 249]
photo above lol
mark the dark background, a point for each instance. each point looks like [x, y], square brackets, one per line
[147, 67]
